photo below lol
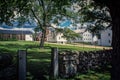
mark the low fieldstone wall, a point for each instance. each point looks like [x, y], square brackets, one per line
[71, 62]
[7, 69]
[5, 60]
[68, 62]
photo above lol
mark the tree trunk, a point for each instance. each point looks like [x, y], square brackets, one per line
[114, 6]
[43, 39]
[115, 14]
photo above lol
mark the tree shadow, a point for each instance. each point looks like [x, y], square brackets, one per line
[38, 60]
[38, 64]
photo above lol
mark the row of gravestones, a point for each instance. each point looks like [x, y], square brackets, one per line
[71, 62]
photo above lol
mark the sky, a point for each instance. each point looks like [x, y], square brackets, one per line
[63, 24]
[66, 23]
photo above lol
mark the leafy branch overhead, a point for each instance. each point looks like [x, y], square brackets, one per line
[67, 33]
[10, 8]
[44, 12]
[93, 13]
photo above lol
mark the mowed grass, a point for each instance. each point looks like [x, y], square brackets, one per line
[38, 60]
[93, 76]
[14, 46]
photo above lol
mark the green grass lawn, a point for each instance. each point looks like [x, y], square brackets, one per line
[38, 60]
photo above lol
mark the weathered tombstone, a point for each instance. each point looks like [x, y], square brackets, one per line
[54, 62]
[22, 64]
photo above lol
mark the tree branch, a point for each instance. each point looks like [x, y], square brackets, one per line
[39, 22]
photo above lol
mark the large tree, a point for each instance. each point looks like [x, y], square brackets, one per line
[114, 10]
[10, 8]
[41, 11]
[44, 11]
[114, 6]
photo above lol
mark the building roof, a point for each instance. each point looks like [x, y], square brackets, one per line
[15, 32]
[79, 30]
[17, 24]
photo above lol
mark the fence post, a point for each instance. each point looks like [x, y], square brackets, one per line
[54, 62]
[22, 64]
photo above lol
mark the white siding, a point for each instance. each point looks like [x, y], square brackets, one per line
[87, 37]
[106, 38]
[58, 38]
[28, 37]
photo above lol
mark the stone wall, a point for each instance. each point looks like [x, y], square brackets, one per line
[68, 62]
[71, 62]
[7, 68]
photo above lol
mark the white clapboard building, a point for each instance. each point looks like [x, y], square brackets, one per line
[106, 37]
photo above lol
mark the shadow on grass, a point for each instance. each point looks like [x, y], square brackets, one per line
[38, 60]
[7, 51]
[38, 63]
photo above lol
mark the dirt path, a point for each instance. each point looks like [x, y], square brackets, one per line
[83, 45]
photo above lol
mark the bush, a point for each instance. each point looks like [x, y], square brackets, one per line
[10, 39]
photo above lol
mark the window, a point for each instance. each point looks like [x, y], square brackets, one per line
[75, 28]
[59, 38]
[108, 34]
